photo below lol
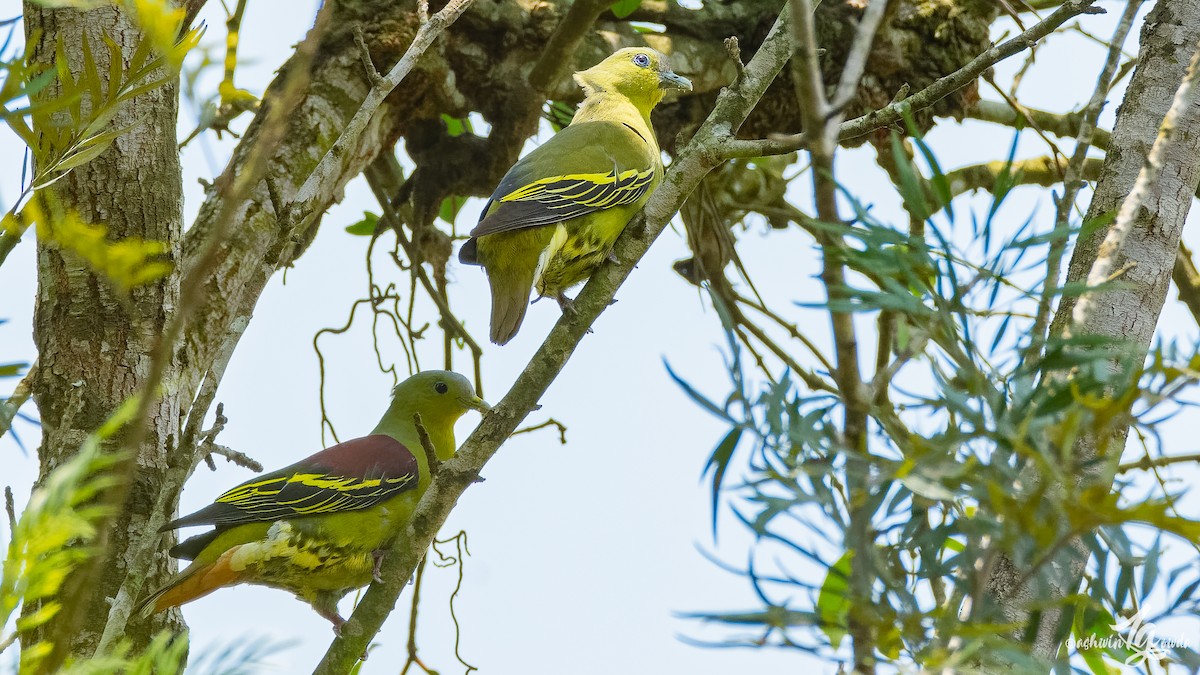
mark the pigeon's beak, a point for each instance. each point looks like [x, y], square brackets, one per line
[476, 403]
[671, 80]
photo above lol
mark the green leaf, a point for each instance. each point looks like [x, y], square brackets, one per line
[910, 184]
[833, 605]
[456, 126]
[718, 462]
[366, 226]
[450, 207]
[12, 369]
[623, 8]
[559, 114]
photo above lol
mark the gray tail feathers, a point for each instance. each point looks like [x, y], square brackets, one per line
[147, 607]
[510, 299]
[469, 254]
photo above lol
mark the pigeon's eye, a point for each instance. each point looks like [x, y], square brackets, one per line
[441, 387]
[641, 60]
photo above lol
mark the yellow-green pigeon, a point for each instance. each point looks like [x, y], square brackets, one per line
[556, 214]
[317, 528]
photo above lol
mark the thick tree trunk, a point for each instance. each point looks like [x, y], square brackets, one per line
[94, 344]
[1128, 312]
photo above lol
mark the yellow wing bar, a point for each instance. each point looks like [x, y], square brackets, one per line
[310, 493]
[593, 190]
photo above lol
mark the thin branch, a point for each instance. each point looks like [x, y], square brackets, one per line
[579, 19]
[1063, 125]
[856, 60]
[1071, 180]
[8, 641]
[10, 508]
[562, 429]
[696, 159]
[1147, 462]
[427, 445]
[21, 393]
[925, 98]
[412, 658]
[192, 436]
[239, 458]
[1110, 249]
[325, 176]
[208, 446]
[821, 127]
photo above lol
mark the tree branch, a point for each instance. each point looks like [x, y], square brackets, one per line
[821, 129]
[925, 98]
[21, 393]
[1127, 313]
[191, 293]
[1065, 125]
[325, 177]
[692, 163]
[1072, 176]
[1143, 187]
[565, 40]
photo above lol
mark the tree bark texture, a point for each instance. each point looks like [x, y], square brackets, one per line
[93, 343]
[1128, 312]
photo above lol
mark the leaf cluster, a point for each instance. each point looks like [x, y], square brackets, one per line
[972, 431]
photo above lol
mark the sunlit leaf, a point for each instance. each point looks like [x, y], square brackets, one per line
[623, 8]
[833, 602]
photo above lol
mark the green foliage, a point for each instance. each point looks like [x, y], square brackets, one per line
[623, 8]
[55, 535]
[559, 114]
[947, 478]
[12, 369]
[73, 114]
[365, 227]
[74, 124]
[833, 605]
[127, 262]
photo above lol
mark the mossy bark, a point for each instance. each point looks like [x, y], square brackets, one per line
[94, 343]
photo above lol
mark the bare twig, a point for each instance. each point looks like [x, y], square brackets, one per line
[10, 508]
[427, 445]
[8, 641]
[926, 97]
[1148, 462]
[239, 458]
[696, 159]
[856, 60]
[327, 172]
[365, 54]
[208, 446]
[562, 429]
[192, 435]
[12, 404]
[1106, 257]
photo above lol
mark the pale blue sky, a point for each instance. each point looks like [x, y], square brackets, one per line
[582, 555]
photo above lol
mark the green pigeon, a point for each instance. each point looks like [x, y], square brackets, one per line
[556, 214]
[317, 528]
